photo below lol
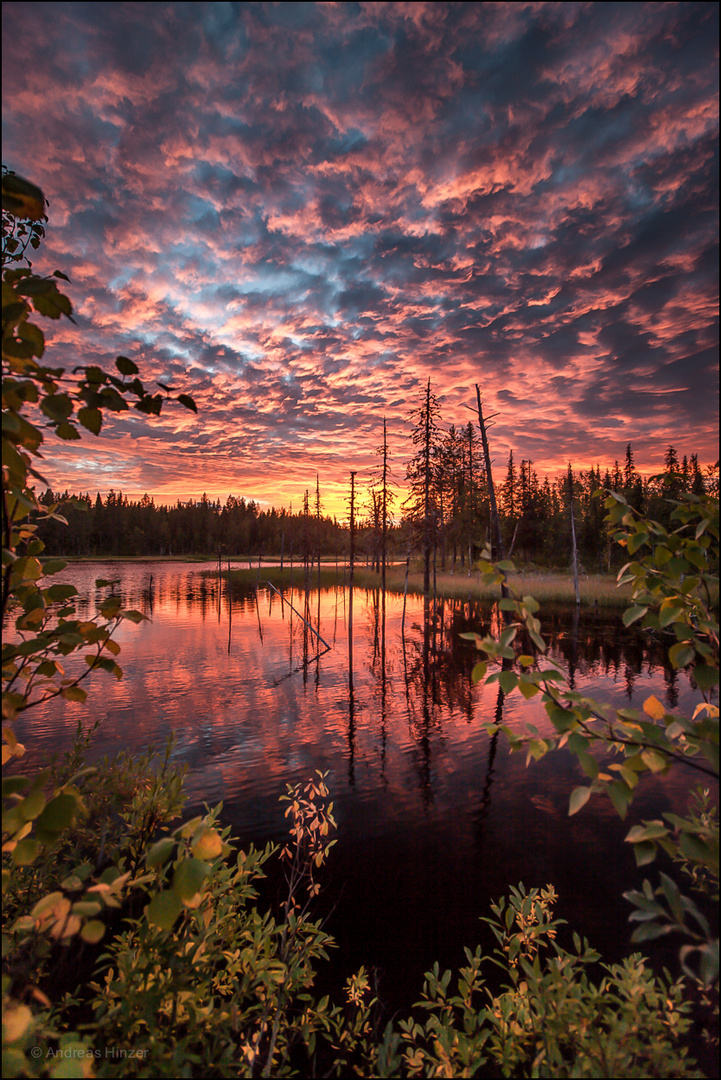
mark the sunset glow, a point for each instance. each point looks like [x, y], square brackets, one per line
[300, 212]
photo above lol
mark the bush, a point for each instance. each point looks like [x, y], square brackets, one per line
[674, 591]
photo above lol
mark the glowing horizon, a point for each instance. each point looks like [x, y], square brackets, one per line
[298, 213]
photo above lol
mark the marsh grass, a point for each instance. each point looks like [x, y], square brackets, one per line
[550, 586]
[546, 587]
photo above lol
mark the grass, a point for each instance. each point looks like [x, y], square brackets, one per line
[549, 586]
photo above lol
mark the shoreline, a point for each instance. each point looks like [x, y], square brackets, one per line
[546, 586]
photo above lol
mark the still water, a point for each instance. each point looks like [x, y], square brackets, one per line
[435, 819]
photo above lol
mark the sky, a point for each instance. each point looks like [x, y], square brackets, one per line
[299, 213]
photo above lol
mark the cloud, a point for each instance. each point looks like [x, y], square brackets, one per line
[299, 213]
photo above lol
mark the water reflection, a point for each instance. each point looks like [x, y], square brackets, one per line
[261, 688]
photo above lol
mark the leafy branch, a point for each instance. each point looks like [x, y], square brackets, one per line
[672, 582]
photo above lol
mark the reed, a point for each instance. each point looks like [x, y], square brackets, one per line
[548, 587]
[283, 579]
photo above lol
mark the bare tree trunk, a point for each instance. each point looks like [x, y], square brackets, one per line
[495, 520]
[513, 541]
[405, 588]
[306, 542]
[317, 521]
[574, 552]
[384, 544]
[350, 580]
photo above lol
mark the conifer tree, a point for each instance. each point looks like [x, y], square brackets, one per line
[419, 473]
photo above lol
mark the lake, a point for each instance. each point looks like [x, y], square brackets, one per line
[435, 819]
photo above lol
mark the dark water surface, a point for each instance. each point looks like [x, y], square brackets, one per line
[435, 819]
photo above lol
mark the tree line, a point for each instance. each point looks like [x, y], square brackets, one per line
[447, 511]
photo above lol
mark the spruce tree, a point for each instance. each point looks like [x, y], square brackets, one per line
[419, 473]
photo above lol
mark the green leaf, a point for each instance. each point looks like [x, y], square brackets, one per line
[652, 830]
[673, 897]
[126, 366]
[633, 614]
[59, 814]
[160, 852]
[11, 785]
[579, 798]
[661, 556]
[47, 903]
[59, 593]
[508, 681]
[479, 672]
[57, 406]
[620, 796]
[151, 404]
[86, 908]
[695, 849]
[22, 199]
[53, 566]
[656, 762]
[636, 540]
[669, 613]
[189, 876]
[648, 931]
[681, 654]
[92, 931]
[705, 676]
[164, 909]
[645, 852]
[26, 851]
[32, 805]
[92, 419]
[73, 693]
[67, 431]
[135, 616]
[588, 763]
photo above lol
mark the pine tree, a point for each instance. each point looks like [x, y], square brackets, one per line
[698, 486]
[509, 492]
[629, 469]
[419, 473]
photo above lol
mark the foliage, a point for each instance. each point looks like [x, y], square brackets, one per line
[39, 815]
[64, 881]
[23, 211]
[224, 983]
[548, 1018]
[47, 630]
[672, 588]
[199, 978]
